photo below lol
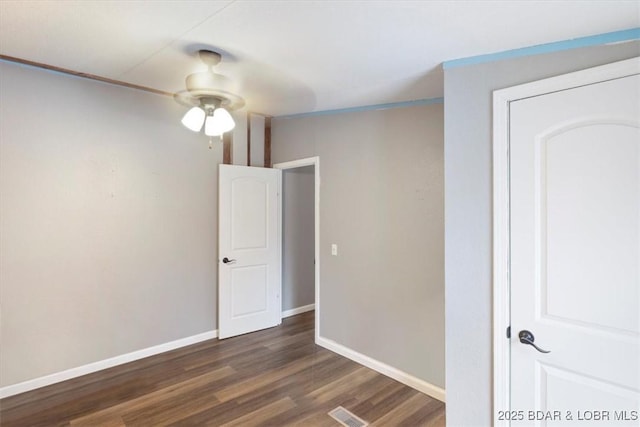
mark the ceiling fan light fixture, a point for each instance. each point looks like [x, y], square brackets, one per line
[209, 99]
[223, 117]
[218, 123]
[210, 128]
[194, 119]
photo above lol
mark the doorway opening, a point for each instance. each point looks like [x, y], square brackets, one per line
[300, 202]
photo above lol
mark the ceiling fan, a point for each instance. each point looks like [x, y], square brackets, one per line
[209, 96]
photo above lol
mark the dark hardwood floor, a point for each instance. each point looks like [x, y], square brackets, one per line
[276, 377]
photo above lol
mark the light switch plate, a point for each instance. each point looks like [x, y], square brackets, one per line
[334, 249]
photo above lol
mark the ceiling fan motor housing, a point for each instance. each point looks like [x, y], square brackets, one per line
[209, 89]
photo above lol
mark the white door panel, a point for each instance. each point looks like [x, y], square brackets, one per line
[575, 250]
[595, 191]
[249, 283]
[249, 213]
[249, 290]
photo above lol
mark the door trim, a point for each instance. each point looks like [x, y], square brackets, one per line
[501, 207]
[315, 162]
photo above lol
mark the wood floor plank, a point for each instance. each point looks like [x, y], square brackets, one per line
[399, 415]
[343, 385]
[153, 398]
[384, 401]
[432, 411]
[215, 416]
[267, 378]
[262, 415]
[276, 377]
[171, 411]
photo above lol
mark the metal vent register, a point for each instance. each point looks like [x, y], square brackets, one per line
[346, 418]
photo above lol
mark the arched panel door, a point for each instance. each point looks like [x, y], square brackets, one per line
[575, 253]
[249, 282]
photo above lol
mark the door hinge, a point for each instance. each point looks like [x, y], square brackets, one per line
[509, 331]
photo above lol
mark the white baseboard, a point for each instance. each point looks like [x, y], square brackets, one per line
[391, 372]
[57, 377]
[398, 375]
[298, 310]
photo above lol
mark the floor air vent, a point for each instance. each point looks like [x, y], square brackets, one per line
[346, 418]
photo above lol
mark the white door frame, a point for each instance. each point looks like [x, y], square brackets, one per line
[315, 162]
[501, 208]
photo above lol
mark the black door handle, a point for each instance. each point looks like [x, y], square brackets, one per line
[527, 337]
[227, 260]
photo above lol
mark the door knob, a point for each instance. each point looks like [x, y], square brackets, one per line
[227, 260]
[527, 337]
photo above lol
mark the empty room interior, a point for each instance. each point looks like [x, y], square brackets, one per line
[319, 213]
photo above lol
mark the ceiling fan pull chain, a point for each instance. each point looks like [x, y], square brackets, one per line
[210, 142]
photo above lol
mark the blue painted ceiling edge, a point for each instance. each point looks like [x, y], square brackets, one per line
[600, 39]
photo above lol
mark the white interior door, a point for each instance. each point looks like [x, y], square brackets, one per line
[575, 254]
[249, 282]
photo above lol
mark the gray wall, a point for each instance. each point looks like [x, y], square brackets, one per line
[108, 214]
[298, 240]
[382, 204]
[468, 218]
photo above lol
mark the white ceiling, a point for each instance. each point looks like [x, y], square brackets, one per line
[294, 56]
